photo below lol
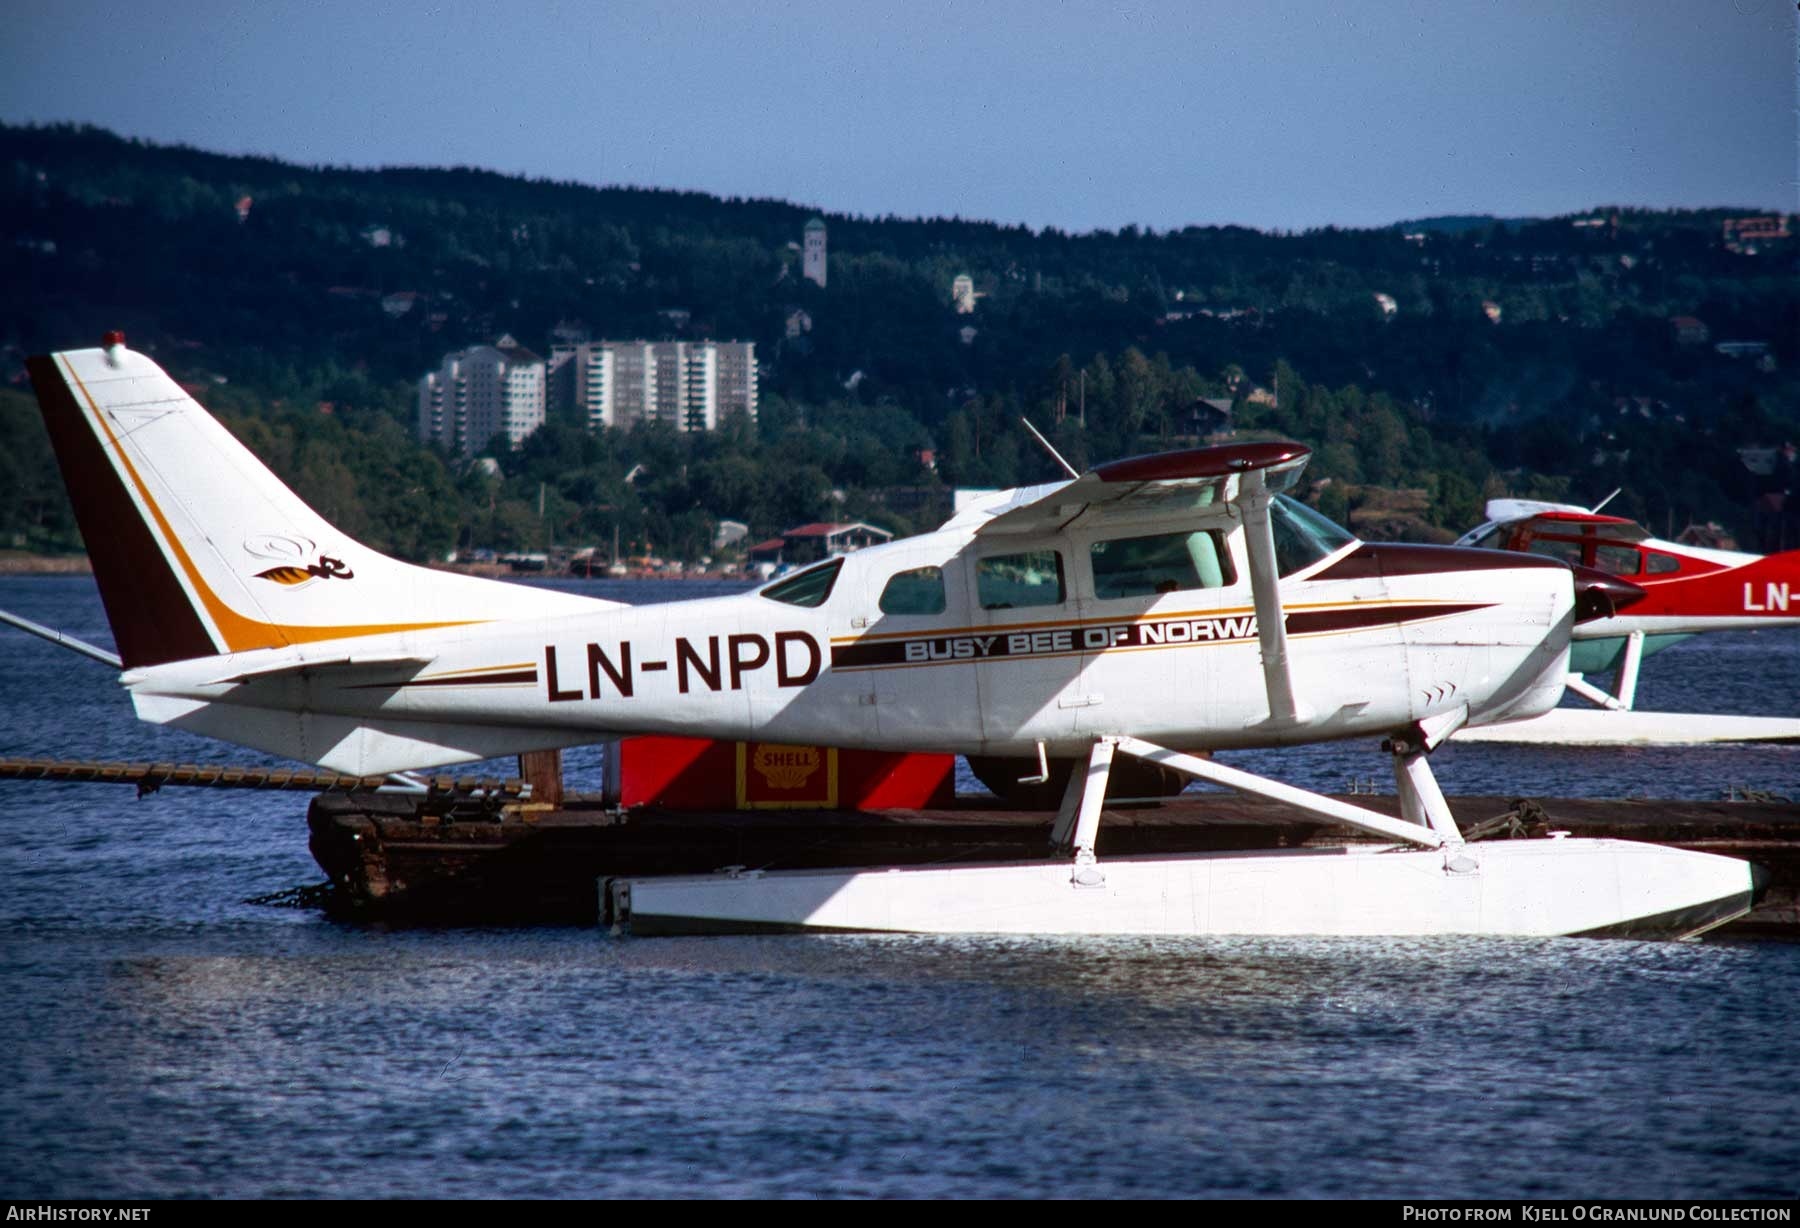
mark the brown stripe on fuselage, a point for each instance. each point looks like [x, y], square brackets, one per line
[521, 675]
[493, 675]
[1351, 618]
[996, 644]
[152, 617]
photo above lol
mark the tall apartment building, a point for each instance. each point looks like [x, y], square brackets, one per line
[691, 385]
[812, 252]
[482, 392]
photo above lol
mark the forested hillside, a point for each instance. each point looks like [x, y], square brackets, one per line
[1454, 359]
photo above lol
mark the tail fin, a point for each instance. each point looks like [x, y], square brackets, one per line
[200, 550]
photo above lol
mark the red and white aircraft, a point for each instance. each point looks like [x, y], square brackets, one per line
[1688, 590]
[1171, 601]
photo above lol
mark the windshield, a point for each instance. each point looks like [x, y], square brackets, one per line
[1302, 536]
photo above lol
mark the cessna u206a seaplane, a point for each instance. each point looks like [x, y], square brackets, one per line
[1170, 601]
[1688, 590]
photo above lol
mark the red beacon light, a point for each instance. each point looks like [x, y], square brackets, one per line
[112, 337]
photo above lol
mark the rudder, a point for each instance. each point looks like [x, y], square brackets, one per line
[152, 616]
[200, 550]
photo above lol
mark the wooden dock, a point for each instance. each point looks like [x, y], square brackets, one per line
[402, 858]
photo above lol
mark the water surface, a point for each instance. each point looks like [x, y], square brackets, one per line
[165, 1038]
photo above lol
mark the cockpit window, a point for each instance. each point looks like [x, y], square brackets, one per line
[1616, 560]
[1164, 563]
[919, 591]
[1490, 540]
[1662, 564]
[809, 589]
[1302, 536]
[1012, 581]
[1554, 548]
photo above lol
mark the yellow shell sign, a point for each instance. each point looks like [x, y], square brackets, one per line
[771, 775]
[786, 767]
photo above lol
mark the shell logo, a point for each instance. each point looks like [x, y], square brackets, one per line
[786, 767]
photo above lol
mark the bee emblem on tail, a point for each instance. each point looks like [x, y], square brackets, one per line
[327, 568]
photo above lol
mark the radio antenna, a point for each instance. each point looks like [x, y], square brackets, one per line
[1048, 447]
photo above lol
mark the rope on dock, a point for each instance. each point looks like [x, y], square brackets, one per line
[1738, 793]
[149, 777]
[1526, 819]
[310, 895]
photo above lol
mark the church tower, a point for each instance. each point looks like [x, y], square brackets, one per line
[812, 252]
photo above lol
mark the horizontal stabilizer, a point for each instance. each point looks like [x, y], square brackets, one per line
[329, 665]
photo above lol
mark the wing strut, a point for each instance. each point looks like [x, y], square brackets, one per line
[1265, 590]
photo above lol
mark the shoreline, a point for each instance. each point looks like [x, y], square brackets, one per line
[504, 571]
[24, 563]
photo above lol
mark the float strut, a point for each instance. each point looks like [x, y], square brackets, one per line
[1328, 808]
[1632, 657]
[1421, 801]
[1593, 694]
[1078, 818]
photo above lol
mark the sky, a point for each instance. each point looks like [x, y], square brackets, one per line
[1277, 114]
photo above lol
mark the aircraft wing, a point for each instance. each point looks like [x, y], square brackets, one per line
[1606, 528]
[1500, 511]
[1148, 487]
[1563, 518]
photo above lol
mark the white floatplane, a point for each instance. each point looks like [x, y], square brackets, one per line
[1150, 607]
[1688, 590]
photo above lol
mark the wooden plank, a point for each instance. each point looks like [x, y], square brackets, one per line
[542, 770]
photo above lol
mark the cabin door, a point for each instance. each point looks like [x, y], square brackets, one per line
[1027, 624]
[915, 651]
[1170, 635]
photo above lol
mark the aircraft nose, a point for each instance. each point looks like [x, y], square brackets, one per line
[1600, 595]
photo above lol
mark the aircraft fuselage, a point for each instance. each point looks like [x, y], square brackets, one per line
[1371, 652]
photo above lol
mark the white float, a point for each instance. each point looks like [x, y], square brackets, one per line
[1544, 887]
[1613, 721]
[1631, 727]
[1521, 887]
